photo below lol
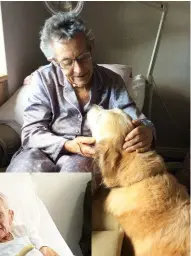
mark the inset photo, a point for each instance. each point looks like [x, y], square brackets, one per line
[41, 214]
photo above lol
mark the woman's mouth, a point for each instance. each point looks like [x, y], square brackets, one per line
[80, 76]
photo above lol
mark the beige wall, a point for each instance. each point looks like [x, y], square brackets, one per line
[125, 33]
[21, 24]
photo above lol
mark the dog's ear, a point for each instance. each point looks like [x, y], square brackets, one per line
[108, 158]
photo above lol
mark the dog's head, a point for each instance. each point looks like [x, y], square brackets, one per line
[109, 128]
[118, 167]
[109, 124]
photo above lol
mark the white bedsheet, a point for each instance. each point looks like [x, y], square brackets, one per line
[16, 245]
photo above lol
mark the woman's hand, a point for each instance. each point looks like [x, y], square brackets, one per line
[81, 145]
[139, 139]
[47, 251]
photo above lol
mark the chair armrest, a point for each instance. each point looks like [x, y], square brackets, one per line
[9, 143]
[107, 235]
[107, 243]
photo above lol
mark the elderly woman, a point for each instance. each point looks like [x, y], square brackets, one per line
[14, 239]
[55, 134]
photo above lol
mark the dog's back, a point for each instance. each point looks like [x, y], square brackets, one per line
[154, 212]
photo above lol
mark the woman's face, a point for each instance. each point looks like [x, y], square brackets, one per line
[6, 220]
[78, 72]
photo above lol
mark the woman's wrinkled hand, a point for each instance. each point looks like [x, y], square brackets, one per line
[47, 251]
[139, 139]
[81, 145]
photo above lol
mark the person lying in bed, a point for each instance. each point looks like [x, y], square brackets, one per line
[14, 239]
[55, 135]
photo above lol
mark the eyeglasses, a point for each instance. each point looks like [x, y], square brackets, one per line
[69, 63]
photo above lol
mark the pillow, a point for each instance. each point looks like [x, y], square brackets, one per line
[22, 197]
[12, 111]
[135, 88]
[50, 234]
[55, 190]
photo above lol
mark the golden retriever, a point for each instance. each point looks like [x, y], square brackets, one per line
[150, 205]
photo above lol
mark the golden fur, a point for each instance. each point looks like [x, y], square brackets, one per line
[151, 206]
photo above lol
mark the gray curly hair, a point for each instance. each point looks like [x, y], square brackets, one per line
[62, 26]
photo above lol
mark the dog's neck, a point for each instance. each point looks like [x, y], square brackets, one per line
[135, 167]
[122, 169]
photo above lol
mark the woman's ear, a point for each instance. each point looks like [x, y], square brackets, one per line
[11, 216]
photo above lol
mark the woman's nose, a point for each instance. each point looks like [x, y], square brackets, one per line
[77, 68]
